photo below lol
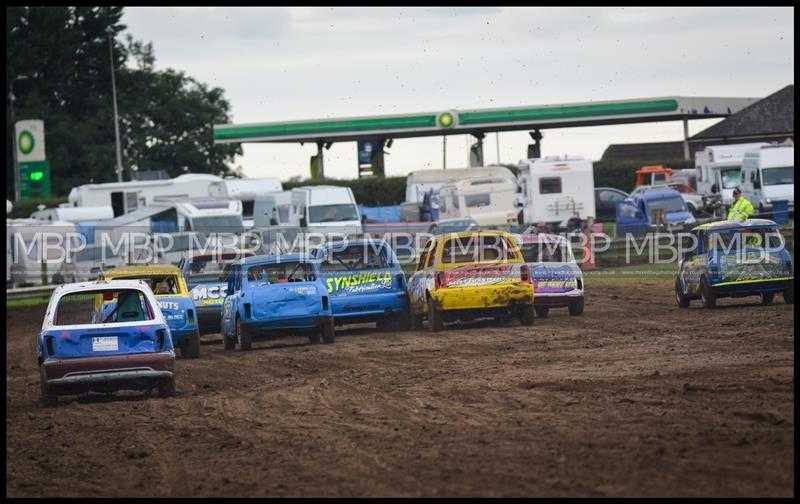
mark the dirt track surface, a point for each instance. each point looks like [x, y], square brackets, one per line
[634, 398]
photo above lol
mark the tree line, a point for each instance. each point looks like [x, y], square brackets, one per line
[58, 65]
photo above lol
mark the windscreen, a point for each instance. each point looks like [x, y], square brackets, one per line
[333, 213]
[283, 272]
[730, 178]
[673, 204]
[476, 249]
[726, 241]
[111, 306]
[163, 285]
[218, 224]
[545, 252]
[210, 268]
[777, 176]
[354, 258]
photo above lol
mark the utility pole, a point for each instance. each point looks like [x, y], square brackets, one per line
[11, 99]
[444, 152]
[110, 31]
[497, 142]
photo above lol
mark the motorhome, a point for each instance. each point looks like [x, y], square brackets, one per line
[554, 188]
[421, 181]
[325, 209]
[245, 190]
[487, 200]
[719, 168]
[768, 176]
[74, 214]
[125, 197]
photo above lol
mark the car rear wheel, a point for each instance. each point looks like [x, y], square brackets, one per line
[542, 311]
[229, 342]
[435, 322]
[682, 299]
[414, 320]
[244, 336]
[328, 332]
[707, 295]
[49, 397]
[191, 347]
[576, 308]
[788, 294]
[166, 387]
[767, 297]
[403, 320]
[526, 315]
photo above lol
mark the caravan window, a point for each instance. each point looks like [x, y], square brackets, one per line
[477, 200]
[550, 185]
[777, 176]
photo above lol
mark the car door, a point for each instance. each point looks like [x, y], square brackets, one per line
[630, 219]
[417, 285]
[230, 304]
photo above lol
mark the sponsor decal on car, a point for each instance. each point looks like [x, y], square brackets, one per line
[360, 282]
[209, 295]
[169, 305]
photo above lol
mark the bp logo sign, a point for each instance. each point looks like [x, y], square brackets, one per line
[445, 120]
[30, 140]
[26, 142]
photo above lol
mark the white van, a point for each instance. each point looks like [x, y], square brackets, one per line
[555, 187]
[719, 168]
[325, 209]
[487, 200]
[74, 214]
[26, 240]
[768, 176]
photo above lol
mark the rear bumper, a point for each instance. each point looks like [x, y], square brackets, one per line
[369, 308]
[482, 297]
[119, 370]
[287, 323]
[557, 300]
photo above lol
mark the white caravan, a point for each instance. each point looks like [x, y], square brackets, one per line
[325, 209]
[719, 168]
[487, 200]
[768, 176]
[555, 187]
[245, 190]
[124, 197]
[421, 181]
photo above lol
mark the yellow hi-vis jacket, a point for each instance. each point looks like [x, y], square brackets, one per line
[740, 210]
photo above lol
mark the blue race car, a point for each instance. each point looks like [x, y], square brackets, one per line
[735, 259]
[206, 276]
[275, 293]
[104, 336]
[365, 283]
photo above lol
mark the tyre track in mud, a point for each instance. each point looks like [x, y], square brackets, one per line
[635, 397]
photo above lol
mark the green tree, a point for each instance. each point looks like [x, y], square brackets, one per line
[166, 117]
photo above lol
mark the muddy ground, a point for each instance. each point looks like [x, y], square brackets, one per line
[634, 398]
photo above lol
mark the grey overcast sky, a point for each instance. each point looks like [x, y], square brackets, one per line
[282, 64]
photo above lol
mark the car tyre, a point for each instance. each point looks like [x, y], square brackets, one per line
[788, 294]
[328, 332]
[526, 315]
[403, 320]
[414, 320]
[576, 308]
[682, 299]
[542, 311]
[707, 295]
[767, 297]
[435, 322]
[244, 336]
[229, 342]
[49, 397]
[166, 387]
[191, 347]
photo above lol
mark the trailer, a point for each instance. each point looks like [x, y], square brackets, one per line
[719, 169]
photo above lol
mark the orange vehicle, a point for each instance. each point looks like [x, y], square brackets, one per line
[653, 175]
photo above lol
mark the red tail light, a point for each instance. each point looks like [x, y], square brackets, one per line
[524, 274]
[440, 280]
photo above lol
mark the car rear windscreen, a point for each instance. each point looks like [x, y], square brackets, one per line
[112, 306]
[283, 272]
[354, 258]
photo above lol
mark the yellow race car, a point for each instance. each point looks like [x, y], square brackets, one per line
[174, 300]
[463, 276]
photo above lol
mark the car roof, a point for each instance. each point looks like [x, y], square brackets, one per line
[455, 219]
[245, 252]
[470, 234]
[269, 259]
[653, 194]
[143, 270]
[733, 225]
[360, 241]
[102, 285]
[543, 238]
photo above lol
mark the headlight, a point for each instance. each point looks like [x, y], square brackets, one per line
[768, 201]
